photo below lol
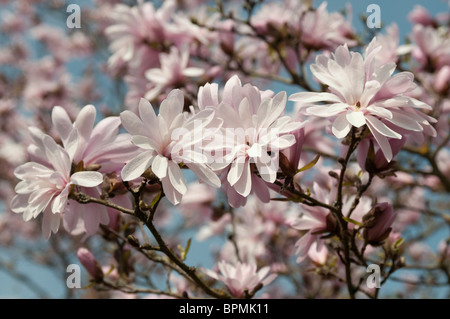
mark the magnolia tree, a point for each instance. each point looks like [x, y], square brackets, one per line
[239, 149]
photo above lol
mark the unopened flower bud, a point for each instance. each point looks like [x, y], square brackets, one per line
[90, 264]
[377, 223]
[421, 16]
[442, 80]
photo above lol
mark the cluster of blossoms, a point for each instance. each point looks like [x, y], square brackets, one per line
[197, 135]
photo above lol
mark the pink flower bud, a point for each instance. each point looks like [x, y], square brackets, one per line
[377, 223]
[442, 80]
[88, 261]
[421, 16]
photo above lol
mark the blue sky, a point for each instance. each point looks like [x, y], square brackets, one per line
[391, 11]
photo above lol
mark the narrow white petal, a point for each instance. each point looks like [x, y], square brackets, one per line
[193, 72]
[236, 170]
[87, 179]
[159, 166]
[176, 177]
[205, 174]
[381, 128]
[134, 168]
[132, 123]
[144, 142]
[382, 142]
[341, 126]
[356, 118]
[327, 110]
[244, 184]
[311, 97]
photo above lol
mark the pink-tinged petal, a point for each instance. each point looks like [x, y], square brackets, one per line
[341, 126]
[71, 218]
[172, 106]
[40, 198]
[236, 169]
[163, 131]
[303, 245]
[93, 216]
[144, 142]
[229, 115]
[208, 95]
[234, 199]
[193, 72]
[71, 145]
[244, 184]
[134, 168]
[85, 121]
[160, 165]
[59, 202]
[205, 174]
[172, 194]
[61, 122]
[384, 72]
[19, 203]
[132, 123]
[147, 114]
[356, 118]
[156, 76]
[50, 223]
[418, 104]
[405, 121]
[399, 83]
[271, 109]
[210, 273]
[267, 168]
[327, 110]
[309, 221]
[245, 113]
[312, 97]
[233, 82]
[379, 111]
[288, 126]
[283, 142]
[381, 128]
[342, 55]
[87, 178]
[105, 131]
[382, 142]
[398, 101]
[260, 189]
[29, 169]
[57, 156]
[269, 279]
[176, 177]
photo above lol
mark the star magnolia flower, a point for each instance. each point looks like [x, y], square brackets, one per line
[254, 131]
[173, 71]
[163, 148]
[45, 187]
[98, 146]
[362, 94]
[241, 277]
[134, 28]
[316, 221]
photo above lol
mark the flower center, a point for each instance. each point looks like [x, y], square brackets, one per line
[357, 106]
